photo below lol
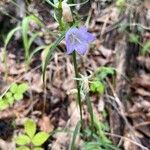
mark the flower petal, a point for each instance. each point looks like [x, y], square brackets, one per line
[70, 48]
[89, 37]
[85, 36]
[82, 48]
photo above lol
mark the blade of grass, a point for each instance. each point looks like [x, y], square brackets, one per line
[75, 133]
[7, 40]
[50, 52]
[35, 51]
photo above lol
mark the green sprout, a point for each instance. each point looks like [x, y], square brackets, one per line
[15, 93]
[31, 140]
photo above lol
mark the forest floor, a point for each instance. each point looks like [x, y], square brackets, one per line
[120, 40]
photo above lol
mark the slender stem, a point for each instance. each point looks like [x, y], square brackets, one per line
[78, 85]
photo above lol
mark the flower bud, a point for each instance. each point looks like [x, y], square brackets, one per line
[66, 12]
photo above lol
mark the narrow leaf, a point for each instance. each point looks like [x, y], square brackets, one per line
[50, 52]
[10, 34]
[75, 133]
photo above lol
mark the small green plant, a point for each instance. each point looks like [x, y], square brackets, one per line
[145, 48]
[97, 84]
[31, 140]
[15, 93]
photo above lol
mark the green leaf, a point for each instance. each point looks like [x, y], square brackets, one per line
[25, 29]
[40, 138]
[38, 148]
[8, 95]
[10, 34]
[10, 100]
[22, 140]
[30, 128]
[22, 88]
[33, 37]
[35, 51]
[22, 148]
[13, 88]
[133, 38]
[18, 96]
[50, 52]
[103, 72]
[146, 48]
[3, 104]
[97, 86]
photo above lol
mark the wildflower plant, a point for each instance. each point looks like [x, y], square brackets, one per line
[78, 40]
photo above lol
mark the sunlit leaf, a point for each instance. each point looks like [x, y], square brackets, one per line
[14, 88]
[40, 138]
[22, 148]
[30, 128]
[22, 140]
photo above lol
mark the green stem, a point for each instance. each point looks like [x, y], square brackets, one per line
[78, 85]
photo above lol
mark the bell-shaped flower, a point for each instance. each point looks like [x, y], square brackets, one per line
[78, 40]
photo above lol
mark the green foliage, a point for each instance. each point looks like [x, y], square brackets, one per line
[99, 141]
[97, 84]
[15, 93]
[27, 41]
[31, 140]
[30, 128]
[133, 38]
[75, 133]
[120, 3]
[51, 49]
[103, 72]
[40, 138]
[22, 148]
[97, 87]
[96, 143]
[146, 48]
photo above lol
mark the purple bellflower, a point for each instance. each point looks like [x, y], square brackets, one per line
[78, 40]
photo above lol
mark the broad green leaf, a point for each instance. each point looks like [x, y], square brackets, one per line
[75, 133]
[97, 86]
[30, 128]
[10, 34]
[3, 104]
[14, 88]
[50, 52]
[38, 148]
[22, 148]
[40, 138]
[22, 88]
[18, 96]
[146, 48]
[22, 140]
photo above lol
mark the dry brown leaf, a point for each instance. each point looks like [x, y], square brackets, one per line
[45, 124]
